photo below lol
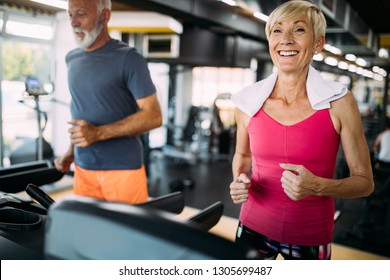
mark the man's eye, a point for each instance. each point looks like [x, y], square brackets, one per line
[78, 14]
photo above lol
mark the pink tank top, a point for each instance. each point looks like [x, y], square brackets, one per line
[313, 143]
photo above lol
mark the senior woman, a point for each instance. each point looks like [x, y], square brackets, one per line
[289, 127]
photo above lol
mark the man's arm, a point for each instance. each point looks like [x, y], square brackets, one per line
[148, 117]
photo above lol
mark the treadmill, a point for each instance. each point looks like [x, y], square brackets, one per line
[80, 227]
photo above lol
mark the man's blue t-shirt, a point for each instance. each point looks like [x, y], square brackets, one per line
[104, 85]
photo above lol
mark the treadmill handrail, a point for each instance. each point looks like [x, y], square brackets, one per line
[173, 203]
[16, 168]
[208, 217]
[15, 179]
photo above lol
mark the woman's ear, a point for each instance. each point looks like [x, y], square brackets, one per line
[319, 44]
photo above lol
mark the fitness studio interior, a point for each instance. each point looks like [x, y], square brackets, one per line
[199, 54]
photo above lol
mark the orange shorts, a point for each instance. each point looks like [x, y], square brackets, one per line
[128, 186]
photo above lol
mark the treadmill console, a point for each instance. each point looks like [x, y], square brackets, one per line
[34, 87]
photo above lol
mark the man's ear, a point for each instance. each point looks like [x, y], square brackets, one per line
[106, 15]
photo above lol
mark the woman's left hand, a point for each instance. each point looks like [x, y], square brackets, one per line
[297, 181]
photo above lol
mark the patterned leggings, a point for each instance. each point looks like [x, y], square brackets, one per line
[269, 248]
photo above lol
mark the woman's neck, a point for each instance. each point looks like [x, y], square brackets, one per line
[290, 88]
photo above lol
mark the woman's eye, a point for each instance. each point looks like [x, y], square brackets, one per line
[276, 31]
[300, 30]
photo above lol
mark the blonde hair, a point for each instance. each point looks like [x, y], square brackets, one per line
[295, 9]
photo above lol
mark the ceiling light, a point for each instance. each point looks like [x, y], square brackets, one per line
[229, 2]
[260, 16]
[343, 65]
[368, 73]
[383, 53]
[359, 70]
[361, 62]
[318, 57]
[344, 80]
[331, 61]
[54, 3]
[352, 68]
[379, 71]
[378, 77]
[332, 49]
[350, 57]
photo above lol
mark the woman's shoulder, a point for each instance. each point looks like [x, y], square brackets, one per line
[346, 100]
[345, 111]
[252, 97]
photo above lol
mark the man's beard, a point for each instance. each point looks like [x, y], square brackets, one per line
[89, 36]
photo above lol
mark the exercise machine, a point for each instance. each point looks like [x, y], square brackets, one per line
[15, 178]
[375, 216]
[83, 228]
[21, 217]
[36, 149]
[86, 228]
[190, 142]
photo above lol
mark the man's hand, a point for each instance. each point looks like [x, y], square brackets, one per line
[83, 133]
[63, 163]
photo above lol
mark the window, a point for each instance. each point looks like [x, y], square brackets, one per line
[26, 50]
[209, 82]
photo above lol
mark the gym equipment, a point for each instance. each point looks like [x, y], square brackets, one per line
[181, 184]
[39, 195]
[22, 221]
[21, 218]
[223, 127]
[377, 201]
[84, 228]
[35, 149]
[27, 152]
[208, 217]
[35, 89]
[172, 203]
[190, 143]
[15, 178]
[21, 227]
[19, 202]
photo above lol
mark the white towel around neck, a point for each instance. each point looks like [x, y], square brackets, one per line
[320, 92]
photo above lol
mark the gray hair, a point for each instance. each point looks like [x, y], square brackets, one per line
[105, 4]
